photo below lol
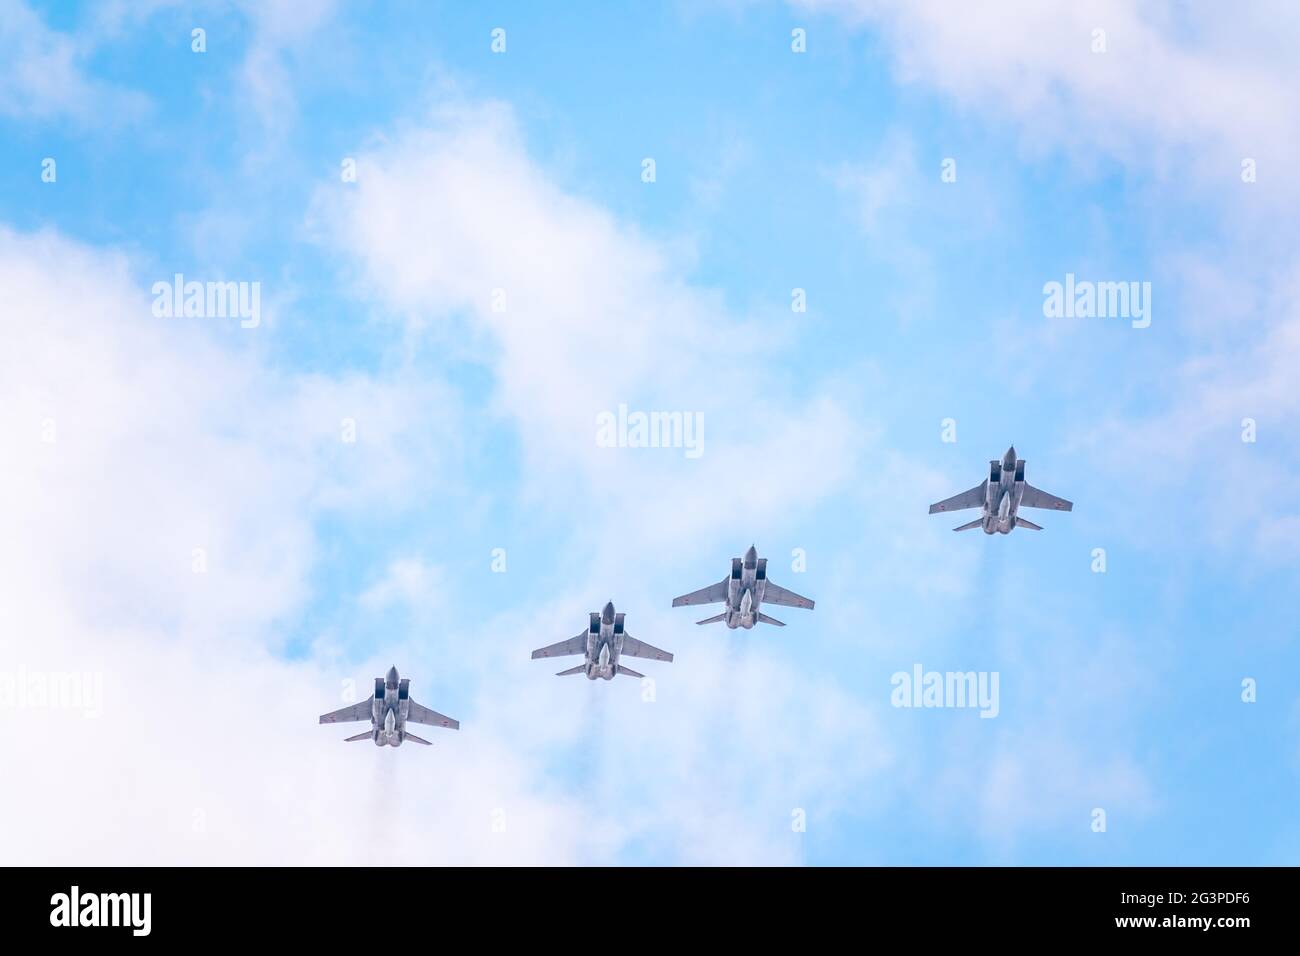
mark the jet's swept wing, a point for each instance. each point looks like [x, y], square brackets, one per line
[419, 714]
[775, 594]
[710, 595]
[1033, 498]
[362, 711]
[967, 499]
[574, 645]
[634, 648]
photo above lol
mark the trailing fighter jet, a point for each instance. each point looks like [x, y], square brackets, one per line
[389, 711]
[744, 591]
[603, 643]
[1001, 496]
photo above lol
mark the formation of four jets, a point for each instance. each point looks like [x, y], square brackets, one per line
[743, 593]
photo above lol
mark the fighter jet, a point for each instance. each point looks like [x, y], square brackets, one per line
[603, 643]
[744, 591]
[389, 711]
[1001, 496]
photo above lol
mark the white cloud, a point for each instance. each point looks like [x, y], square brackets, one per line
[595, 314]
[599, 314]
[280, 28]
[1182, 93]
[1176, 84]
[409, 582]
[43, 75]
[709, 764]
[192, 442]
[207, 748]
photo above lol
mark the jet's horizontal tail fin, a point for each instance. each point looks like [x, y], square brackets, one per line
[367, 735]
[628, 672]
[578, 669]
[970, 524]
[764, 619]
[418, 740]
[1025, 523]
[713, 620]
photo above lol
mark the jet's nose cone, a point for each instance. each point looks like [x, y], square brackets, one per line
[391, 679]
[751, 557]
[607, 615]
[1011, 455]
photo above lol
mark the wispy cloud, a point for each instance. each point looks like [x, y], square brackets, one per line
[44, 75]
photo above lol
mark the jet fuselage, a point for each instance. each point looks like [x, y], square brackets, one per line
[604, 643]
[1000, 497]
[390, 706]
[1003, 491]
[745, 590]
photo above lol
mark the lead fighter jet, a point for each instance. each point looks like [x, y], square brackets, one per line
[744, 591]
[1001, 496]
[389, 711]
[603, 643]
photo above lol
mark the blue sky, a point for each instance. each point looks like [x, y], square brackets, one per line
[324, 561]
